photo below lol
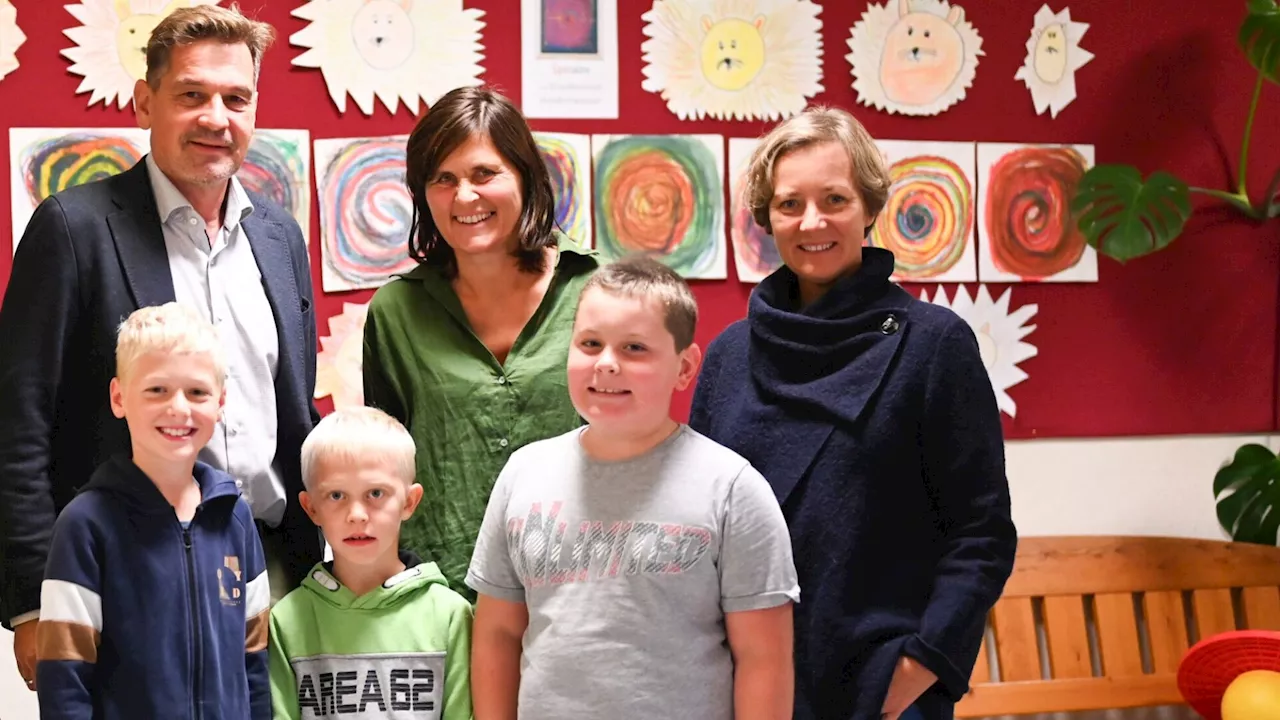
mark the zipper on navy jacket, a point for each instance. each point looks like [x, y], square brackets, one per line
[198, 656]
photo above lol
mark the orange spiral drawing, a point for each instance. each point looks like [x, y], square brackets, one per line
[1028, 214]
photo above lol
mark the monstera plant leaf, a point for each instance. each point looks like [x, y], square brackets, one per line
[1125, 218]
[1247, 491]
[1260, 37]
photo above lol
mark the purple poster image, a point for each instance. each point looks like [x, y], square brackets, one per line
[569, 27]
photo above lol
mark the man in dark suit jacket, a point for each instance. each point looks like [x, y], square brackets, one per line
[176, 226]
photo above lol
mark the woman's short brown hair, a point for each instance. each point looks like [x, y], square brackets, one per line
[456, 117]
[188, 25]
[814, 126]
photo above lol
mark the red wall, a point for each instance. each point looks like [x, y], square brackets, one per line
[1181, 342]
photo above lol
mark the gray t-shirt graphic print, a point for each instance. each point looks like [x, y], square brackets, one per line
[627, 569]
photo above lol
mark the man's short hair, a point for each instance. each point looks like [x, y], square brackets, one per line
[170, 328]
[189, 25]
[359, 436]
[640, 276]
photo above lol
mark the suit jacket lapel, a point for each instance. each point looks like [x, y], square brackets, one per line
[139, 239]
[276, 267]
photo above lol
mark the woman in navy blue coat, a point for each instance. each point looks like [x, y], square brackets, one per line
[871, 414]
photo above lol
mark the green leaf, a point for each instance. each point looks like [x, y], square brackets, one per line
[1125, 218]
[1246, 463]
[1260, 37]
[1247, 491]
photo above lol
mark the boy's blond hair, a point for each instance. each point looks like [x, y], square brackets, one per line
[640, 276]
[171, 328]
[359, 436]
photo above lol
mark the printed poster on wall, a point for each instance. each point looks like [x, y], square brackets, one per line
[569, 52]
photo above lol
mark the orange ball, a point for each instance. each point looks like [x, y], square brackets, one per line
[1254, 695]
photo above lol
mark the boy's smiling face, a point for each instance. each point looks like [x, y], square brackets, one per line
[359, 508]
[171, 402]
[623, 364]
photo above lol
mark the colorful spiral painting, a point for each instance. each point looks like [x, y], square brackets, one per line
[365, 211]
[927, 221]
[276, 166]
[755, 254]
[662, 195]
[74, 159]
[568, 158]
[44, 161]
[1027, 221]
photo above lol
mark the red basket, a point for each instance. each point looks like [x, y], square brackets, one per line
[1209, 667]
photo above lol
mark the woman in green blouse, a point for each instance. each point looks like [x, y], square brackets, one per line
[469, 349]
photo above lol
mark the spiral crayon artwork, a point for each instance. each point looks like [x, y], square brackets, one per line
[277, 166]
[44, 161]
[1025, 215]
[365, 211]
[662, 195]
[568, 161]
[927, 220]
[755, 254]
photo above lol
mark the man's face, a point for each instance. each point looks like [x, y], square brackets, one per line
[201, 116]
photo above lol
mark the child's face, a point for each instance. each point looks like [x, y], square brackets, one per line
[171, 402]
[623, 364]
[359, 509]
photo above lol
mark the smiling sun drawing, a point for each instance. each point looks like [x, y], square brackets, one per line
[409, 51]
[111, 42]
[1000, 336]
[733, 59]
[1053, 56]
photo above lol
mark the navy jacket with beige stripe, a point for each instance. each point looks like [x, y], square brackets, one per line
[142, 617]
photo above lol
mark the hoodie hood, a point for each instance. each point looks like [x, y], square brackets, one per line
[417, 577]
[120, 477]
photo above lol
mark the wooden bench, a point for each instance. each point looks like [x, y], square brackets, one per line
[1094, 623]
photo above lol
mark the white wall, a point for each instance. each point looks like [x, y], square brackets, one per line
[1155, 486]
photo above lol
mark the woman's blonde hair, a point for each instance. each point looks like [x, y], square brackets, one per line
[814, 126]
[170, 328]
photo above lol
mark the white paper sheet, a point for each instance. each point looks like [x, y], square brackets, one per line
[662, 195]
[11, 38]
[755, 254]
[43, 161]
[568, 160]
[278, 165]
[339, 364]
[1025, 230]
[569, 58]
[928, 220]
[915, 57]
[733, 59]
[1000, 336]
[1053, 57]
[365, 211]
[397, 50]
[111, 42]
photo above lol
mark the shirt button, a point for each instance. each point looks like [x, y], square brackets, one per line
[503, 442]
[192, 221]
[502, 379]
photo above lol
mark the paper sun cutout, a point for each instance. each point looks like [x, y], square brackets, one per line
[999, 333]
[398, 50]
[341, 358]
[733, 59]
[913, 57]
[1053, 56]
[111, 44]
[11, 38]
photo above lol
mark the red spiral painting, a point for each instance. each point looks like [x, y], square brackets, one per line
[1028, 214]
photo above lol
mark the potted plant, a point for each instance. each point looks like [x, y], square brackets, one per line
[1125, 217]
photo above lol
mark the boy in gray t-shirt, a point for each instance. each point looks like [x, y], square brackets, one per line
[632, 569]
